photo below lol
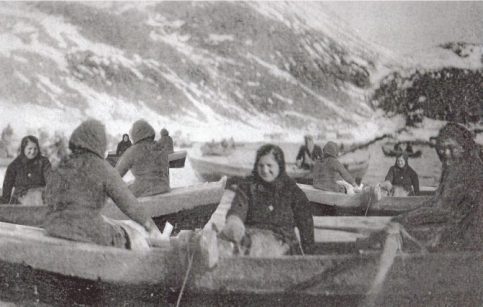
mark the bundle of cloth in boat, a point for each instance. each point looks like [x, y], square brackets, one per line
[452, 219]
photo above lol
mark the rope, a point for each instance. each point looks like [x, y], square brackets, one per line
[185, 279]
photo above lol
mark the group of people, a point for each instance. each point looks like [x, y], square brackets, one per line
[329, 174]
[267, 206]
[77, 188]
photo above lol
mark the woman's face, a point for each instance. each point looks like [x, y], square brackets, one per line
[125, 138]
[449, 150]
[30, 150]
[401, 162]
[267, 168]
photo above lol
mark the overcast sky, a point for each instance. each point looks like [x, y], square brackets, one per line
[411, 25]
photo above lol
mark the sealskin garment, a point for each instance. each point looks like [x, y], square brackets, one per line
[278, 206]
[77, 190]
[24, 174]
[123, 145]
[329, 170]
[147, 161]
[404, 177]
[303, 153]
[453, 218]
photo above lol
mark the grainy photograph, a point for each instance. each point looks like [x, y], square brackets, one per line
[241, 153]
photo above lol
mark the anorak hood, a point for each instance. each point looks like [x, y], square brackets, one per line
[90, 135]
[164, 132]
[331, 150]
[141, 130]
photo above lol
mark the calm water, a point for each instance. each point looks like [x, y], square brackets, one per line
[27, 288]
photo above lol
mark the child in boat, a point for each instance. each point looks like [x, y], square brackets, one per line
[166, 142]
[123, 145]
[147, 161]
[266, 208]
[26, 175]
[401, 179]
[308, 153]
[77, 189]
[452, 219]
[329, 170]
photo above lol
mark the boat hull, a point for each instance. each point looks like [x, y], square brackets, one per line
[178, 199]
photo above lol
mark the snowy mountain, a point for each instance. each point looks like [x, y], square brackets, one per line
[211, 68]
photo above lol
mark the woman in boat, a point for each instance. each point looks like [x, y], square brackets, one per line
[308, 153]
[266, 208]
[452, 219]
[401, 179]
[26, 175]
[77, 189]
[329, 170]
[166, 142]
[147, 161]
[124, 144]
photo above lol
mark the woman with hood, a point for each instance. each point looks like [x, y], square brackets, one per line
[27, 174]
[266, 208]
[401, 179]
[147, 161]
[329, 170]
[166, 142]
[124, 144]
[77, 189]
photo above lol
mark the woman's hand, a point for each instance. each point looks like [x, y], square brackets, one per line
[234, 229]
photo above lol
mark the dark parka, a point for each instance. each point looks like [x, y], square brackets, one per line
[166, 142]
[122, 146]
[147, 161]
[404, 177]
[316, 154]
[329, 170]
[277, 206]
[78, 188]
[24, 174]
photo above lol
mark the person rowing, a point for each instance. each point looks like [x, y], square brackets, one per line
[77, 190]
[148, 162]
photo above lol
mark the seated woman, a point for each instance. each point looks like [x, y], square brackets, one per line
[166, 142]
[329, 170]
[26, 175]
[308, 153]
[452, 219]
[77, 189]
[266, 208]
[123, 145]
[147, 161]
[401, 179]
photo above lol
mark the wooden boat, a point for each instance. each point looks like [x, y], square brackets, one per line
[176, 159]
[213, 168]
[178, 199]
[388, 150]
[422, 279]
[357, 203]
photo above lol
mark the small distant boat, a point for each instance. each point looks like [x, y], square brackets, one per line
[178, 199]
[356, 204]
[216, 149]
[389, 151]
[213, 168]
[176, 159]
